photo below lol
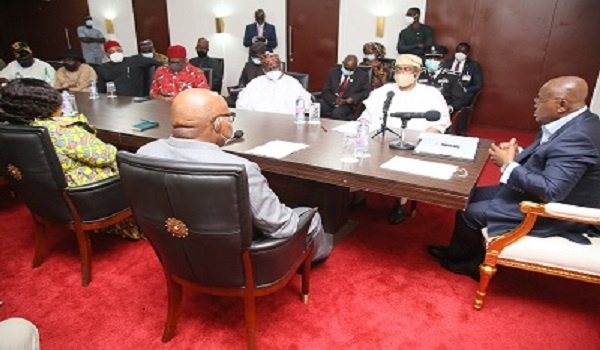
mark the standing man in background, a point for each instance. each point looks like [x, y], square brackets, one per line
[416, 36]
[91, 41]
[260, 31]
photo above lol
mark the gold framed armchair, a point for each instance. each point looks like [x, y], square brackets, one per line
[555, 256]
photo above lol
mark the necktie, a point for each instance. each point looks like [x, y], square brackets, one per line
[343, 86]
[457, 66]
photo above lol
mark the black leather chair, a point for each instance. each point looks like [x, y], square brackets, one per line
[208, 73]
[301, 77]
[218, 85]
[29, 162]
[199, 223]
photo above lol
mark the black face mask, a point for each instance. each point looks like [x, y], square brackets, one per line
[26, 64]
[202, 54]
[71, 67]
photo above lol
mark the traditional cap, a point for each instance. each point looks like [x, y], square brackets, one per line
[176, 51]
[271, 62]
[258, 48]
[146, 44]
[409, 60]
[110, 44]
[72, 53]
[436, 51]
[21, 49]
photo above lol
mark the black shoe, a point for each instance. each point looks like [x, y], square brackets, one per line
[357, 199]
[467, 268]
[397, 214]
[439, 252]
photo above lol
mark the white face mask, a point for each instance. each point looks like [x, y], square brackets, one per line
[116, 57]
[460, 56]
[148, 54]
[89, 23]
[409, 20]
[404, 80]
[255, 60]
[370, 57]
[274, 74]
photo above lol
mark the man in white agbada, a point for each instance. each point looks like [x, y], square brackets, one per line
[273, 92]
[26, 66]
[409, 96]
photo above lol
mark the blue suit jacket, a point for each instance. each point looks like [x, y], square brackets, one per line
[268, 32]
[565, 169]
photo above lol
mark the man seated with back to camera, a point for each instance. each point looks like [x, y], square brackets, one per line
[202, 124]
[407, 95]
[130, 74]
[449, 84]
[345, 87]
[274, 92]
[561, 165]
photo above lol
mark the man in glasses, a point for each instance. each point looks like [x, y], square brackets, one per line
[202, 124]
[407, 96]
[562, 165]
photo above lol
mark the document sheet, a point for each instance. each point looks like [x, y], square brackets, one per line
[277, 149]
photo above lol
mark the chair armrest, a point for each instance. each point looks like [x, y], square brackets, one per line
[98, 200]
[271, 243]
[570, 212]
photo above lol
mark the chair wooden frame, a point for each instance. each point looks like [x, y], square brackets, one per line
[175, 286]
[495, 247]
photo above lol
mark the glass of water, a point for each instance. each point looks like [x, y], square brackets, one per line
[314, 113]
[348, 148]
[111, 90]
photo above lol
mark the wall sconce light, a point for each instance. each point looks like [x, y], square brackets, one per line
[380, 26]
[220, 23]
[110, 27]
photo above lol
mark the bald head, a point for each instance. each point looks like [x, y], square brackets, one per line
[571, 88]
[193, 112]
[559, 97]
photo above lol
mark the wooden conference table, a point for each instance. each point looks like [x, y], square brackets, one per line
[314, 176]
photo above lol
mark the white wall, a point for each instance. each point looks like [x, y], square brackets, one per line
[595, 104]
[358, 20]
[121, 12]
[191, 19]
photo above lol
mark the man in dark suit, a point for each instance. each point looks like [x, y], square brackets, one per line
[344, 89]
[562, 165]
[260, 31]
[205, 61]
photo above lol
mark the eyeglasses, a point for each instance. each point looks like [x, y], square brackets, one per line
[404, 69]
[230, 115]
[538, 100]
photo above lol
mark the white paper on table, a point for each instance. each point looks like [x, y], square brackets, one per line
[420, 167]
[347, 128]
[277, 149]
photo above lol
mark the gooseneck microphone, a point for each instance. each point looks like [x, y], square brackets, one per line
[238, 134]
[431, 115]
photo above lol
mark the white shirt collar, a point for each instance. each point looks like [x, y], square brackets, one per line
[549, 129]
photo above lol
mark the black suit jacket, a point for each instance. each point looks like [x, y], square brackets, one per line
[449, 85]
[472, 69]
[358, 88]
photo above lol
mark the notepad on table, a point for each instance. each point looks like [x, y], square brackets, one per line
[277, 149]
[420, 167]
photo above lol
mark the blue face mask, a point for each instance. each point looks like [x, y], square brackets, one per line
[89, 23]
[347, 72]
[370, 57]
[432, 65]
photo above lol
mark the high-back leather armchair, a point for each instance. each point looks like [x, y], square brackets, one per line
[197, 217]
[29, 162]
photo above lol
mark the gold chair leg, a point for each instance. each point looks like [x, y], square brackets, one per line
[40, 243]
[174, 294]
[250, 313]
[486, 273]
[85, 251]
[306, 265]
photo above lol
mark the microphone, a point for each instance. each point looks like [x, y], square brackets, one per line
[431, 115]
[238, 134]
[388, 102]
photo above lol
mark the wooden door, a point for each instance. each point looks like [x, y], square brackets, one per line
[312, 33]
[151, 22]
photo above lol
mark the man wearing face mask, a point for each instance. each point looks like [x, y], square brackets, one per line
[204, 61]
[260, 31]
[26, 66]
[470, 75]
[177, 76]
[344, 88]
[408, 96]
[416, 36]
[74, 74]
[253, 68]
[448, 83]
[274, 92]
[202, 124]
[128, 73]
[147, 50]
[91, 41]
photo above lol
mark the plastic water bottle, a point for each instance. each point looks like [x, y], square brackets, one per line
[361, 150]
[299, 115]
[18, 75]
[67, 109]
[93, 89]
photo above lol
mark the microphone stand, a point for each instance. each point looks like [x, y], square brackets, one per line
[401, 144]
[384, 126]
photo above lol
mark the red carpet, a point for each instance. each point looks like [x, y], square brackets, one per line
[379, 290]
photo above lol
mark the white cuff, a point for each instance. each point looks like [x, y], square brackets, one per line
[507, 169]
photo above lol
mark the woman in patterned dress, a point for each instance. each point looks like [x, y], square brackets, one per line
[83, 157]
[374, 52]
